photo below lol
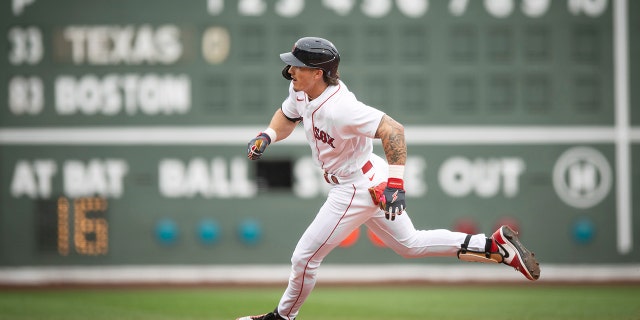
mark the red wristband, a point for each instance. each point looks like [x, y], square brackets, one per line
[395, 183]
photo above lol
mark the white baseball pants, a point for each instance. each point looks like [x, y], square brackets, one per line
[348, 206]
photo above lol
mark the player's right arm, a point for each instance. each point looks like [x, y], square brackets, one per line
[280, 128]
[282, 125]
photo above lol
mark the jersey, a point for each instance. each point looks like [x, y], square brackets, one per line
[339, 128]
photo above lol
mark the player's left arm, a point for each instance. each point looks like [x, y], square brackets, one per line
[391, 133]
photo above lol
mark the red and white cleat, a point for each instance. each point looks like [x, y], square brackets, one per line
[515, 254]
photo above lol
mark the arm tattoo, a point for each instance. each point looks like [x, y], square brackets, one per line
[392, 135]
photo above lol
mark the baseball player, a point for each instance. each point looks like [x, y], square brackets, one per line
[366, 189]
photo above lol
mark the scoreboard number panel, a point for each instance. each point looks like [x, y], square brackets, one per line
[491, 62]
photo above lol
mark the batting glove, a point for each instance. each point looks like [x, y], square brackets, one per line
[392, 200]
[257, 145]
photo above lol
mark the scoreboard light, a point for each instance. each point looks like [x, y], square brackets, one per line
[89, 225]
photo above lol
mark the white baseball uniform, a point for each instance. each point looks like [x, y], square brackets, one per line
[340, 130]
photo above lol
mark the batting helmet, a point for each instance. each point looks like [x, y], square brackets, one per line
[312, 52]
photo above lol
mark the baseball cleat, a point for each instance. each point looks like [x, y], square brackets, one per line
[515, 254]
[267, 316]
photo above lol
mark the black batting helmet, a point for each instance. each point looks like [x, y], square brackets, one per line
[312, 52]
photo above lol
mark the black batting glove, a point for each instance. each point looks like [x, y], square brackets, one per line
[257, 145]
[392, 200]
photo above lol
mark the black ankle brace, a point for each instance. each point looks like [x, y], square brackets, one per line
[477, 256]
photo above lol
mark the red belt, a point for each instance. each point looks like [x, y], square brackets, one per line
[333, 179]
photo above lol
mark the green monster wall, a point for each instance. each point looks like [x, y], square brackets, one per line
[123, 125]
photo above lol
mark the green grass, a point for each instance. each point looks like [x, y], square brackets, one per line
[336, 303]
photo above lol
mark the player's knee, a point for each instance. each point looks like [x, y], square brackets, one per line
[301, 263]
[410, 253]
[301, 269]
[407, 249]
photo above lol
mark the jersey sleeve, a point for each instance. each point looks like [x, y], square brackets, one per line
[357, 119]
[289, 106]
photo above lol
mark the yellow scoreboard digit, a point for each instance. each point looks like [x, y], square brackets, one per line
[90, 226]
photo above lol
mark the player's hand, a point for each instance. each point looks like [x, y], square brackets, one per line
[392, 200]
[257, 145]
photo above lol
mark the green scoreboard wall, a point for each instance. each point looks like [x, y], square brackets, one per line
[123, 125]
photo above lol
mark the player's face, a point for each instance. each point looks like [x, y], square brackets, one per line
[308, 80]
